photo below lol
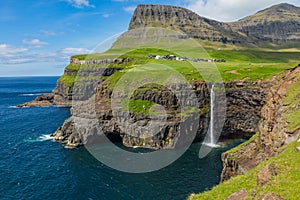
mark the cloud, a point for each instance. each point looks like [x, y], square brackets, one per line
[34, 42]
[9, 51]
[106, 15]
[231, 10]
[129, 9]
[73, 51]
[48, 33]
[80, 3]
[21, 55]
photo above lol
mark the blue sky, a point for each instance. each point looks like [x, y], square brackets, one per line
[38, 37]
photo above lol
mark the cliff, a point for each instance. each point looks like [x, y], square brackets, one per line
[244, 102]
[274, 130]
[266, 166]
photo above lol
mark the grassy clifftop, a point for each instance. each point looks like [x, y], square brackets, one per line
[246, 64]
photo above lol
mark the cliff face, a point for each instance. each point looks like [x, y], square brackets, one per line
[244, 102]
[273, 130]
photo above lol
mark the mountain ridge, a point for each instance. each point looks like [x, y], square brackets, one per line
[277, 24]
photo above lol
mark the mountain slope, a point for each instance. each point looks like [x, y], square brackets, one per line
[182, 19]
[277, 24]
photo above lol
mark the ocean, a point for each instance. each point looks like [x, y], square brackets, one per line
[32, 166]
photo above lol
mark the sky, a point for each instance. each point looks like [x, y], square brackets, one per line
[38, 37]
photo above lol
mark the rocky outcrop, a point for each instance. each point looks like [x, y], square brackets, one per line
[85, 74]
[244, 102]
[273, 131]
[41, 101]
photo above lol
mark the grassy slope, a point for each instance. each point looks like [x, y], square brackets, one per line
[245, 64]
[286, 184]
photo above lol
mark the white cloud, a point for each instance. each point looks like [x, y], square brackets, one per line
[80, 3]
[48, 33]
[34, 42]
[8, 51]
[130, 9]
[106, 15]
[74, 51]
[231, 10]
[20, 55]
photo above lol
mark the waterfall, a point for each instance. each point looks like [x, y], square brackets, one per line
[212, 101]
[210, 138]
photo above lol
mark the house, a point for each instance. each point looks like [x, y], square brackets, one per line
[181, 58]
[152, 56]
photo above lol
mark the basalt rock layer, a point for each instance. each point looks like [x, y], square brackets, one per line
[244, 103]
[273, 130]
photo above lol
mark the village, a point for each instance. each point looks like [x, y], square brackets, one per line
[173, 57]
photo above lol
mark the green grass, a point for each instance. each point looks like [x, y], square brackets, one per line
[67, 80]
[239, 147]
[285, 184]
[244, 64]
[292, 101]
[137, 106]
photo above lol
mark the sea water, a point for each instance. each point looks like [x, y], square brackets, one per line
[32, 166]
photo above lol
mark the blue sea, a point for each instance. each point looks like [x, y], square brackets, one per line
[32, 166]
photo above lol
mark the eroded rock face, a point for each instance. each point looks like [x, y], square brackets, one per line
[273, 132]
[244, 102]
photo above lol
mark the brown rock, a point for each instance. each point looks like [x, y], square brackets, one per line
[239, 195]
[266, 174]
[36, 104]
[272, 196]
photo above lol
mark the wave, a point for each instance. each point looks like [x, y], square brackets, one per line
[13, 107]
[45, 137]
[31, 94]
[41, 138]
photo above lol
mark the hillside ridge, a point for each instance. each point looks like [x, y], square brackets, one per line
[276, 24]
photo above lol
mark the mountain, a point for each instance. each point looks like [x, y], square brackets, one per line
[184, 20]
[277, 24]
